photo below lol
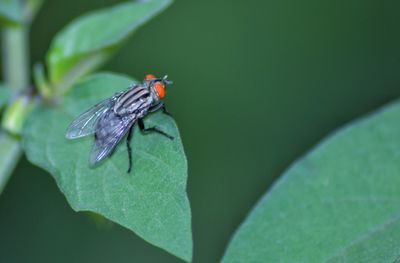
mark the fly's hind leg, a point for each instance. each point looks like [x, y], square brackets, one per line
[153, 129]
[128, 145]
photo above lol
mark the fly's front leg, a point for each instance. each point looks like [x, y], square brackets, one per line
[164, 110]
[161, 106]
[152, 129]
[128, 145]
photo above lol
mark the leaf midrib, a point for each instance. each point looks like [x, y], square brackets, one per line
[376, 229]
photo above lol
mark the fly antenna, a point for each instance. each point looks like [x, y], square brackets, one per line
[166, 80]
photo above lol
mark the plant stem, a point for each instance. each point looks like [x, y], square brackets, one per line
[15, 57]
[16, 75]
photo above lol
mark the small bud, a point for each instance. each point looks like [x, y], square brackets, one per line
[17, 113]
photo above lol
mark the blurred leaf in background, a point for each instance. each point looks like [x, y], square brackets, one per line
[11, 12]
[10, 152]
[341, 203]
[88, 41]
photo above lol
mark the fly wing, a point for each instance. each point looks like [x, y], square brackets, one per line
[110, 130]
[85, 124]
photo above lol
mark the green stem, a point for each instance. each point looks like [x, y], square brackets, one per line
[16, 75]
[15, 57]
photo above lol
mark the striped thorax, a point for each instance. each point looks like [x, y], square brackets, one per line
[134, 100]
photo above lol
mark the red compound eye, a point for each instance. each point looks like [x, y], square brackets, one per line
[150, 76]
[160, 89]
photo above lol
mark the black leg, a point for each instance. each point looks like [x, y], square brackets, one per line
[161, 106]
[152, 129]
[156, 107]
[128, 145]
[164, 110]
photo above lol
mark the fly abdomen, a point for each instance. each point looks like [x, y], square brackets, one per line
[110, 130]
[133, 100]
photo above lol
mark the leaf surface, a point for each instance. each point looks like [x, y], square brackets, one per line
[10, 153]
[11, 12]
[151, 201]
[88, 41]
[340, 203]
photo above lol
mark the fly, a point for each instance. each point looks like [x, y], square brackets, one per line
[110, 120]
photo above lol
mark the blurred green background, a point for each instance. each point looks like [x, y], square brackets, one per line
[257, 84]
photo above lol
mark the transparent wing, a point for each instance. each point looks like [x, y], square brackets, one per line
[85, 124]
[110, 130]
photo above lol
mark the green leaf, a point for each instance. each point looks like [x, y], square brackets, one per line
[10, 152]
[89, 40]
[151, 201]
[340, 203]
[17, 12]
[41, 82]
[11, 12]
[5, 95]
